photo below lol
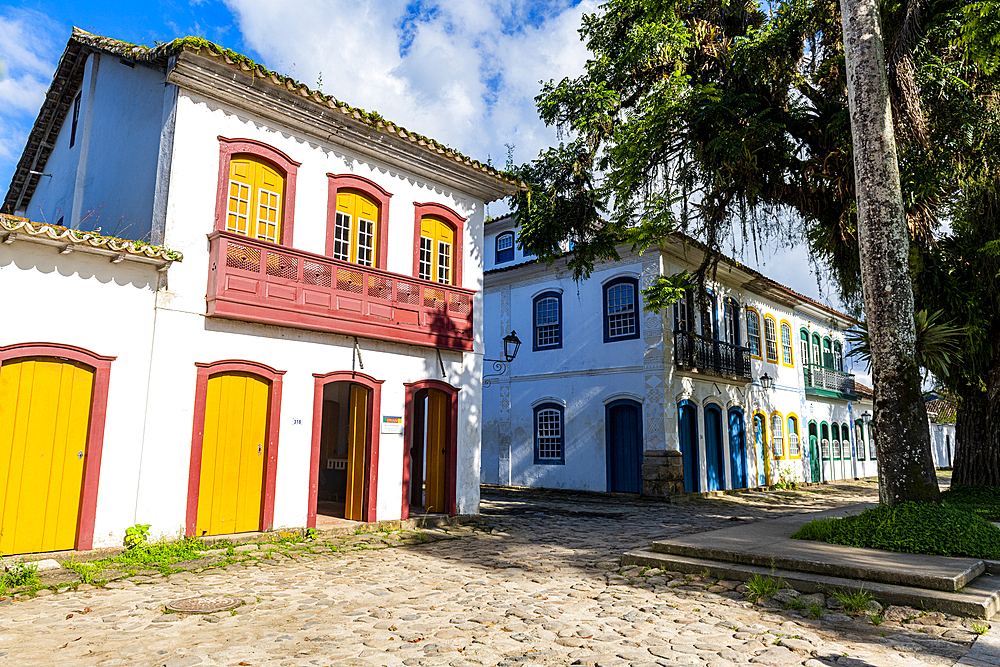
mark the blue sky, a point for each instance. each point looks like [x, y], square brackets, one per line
[464, 72]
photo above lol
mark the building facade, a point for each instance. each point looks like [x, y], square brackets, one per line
[308, 346]
[605, 396]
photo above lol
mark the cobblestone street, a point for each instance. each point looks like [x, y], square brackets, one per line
[535, 580]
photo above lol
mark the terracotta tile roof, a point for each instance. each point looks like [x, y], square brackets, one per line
[69, 76]
[941, 410]
[12, 227]
[864, 391]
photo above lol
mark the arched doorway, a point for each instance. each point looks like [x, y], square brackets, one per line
[714, 459]
[430, 440]
[814, 459]
[234, 448]
[53, 402]
[343, 480]
[761, 455]
[737, 448]
[687, 432]
[623, 439]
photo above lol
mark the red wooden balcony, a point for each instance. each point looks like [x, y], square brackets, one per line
[261, 282]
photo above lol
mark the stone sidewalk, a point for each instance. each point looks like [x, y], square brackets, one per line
[534, 581]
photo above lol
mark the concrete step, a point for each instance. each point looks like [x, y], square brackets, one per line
[978, 599]
[768, 544]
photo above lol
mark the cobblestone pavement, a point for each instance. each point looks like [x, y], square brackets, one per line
[534, 581]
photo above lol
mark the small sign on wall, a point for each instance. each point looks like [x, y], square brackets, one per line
[392, 424]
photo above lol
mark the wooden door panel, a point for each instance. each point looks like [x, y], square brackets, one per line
[357, 444]
[434, 490]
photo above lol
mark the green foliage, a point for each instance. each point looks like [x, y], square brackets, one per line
[981, 34]
[19, 575]
[926, 528]
[815, 610]
[980, 628]
[938, 344]
[983, 501]
[137, 536]
[854, 601]
[665, 291]
[759, 586]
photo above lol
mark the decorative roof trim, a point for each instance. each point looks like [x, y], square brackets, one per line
[68, 240]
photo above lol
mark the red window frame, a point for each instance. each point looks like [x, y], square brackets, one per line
[454, 220]
[228, 148]
[371, 448]
[205, 371]
[338, 182]
[98, 417]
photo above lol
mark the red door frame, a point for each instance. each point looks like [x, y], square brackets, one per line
[95, 435]
[205, 371]
[371, 443]
[451, 440]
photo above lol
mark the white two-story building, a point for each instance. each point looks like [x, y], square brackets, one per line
[308, 347]
[604, 396]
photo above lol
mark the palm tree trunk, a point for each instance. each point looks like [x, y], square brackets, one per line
[977, 426]
[902, 436]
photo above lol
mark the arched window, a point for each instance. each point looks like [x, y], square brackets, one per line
[684, 313]
[816, 358]
[827, 353]
[439, 254]
[777, 436]
[793, 437]
[256, 194]
[836, 440]
[770, 339]
[357, 212]
[709, 320]
[753, 332]
[859, 438]
[786, 344]
[548, 321]
[838, 356]
[845, 440]
[550, 436]
[824, 440]
[871, 443]
[804, 347]
[621, 310]
[504, 248]
[731, 320]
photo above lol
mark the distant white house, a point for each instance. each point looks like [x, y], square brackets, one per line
[941, 413]
[309, 346]
[604, 396]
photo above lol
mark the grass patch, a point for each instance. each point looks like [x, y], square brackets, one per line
[983, 501]
[762, 587]
[923, 528]
[19, 575]
[854, 601]
[980, 628]
[815, 610]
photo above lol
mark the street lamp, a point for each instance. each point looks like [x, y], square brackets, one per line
[765, 382]
[866, 416]
[511, 344]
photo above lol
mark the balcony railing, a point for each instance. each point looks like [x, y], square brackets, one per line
[827, 379]
[707, 355]
[260, 282]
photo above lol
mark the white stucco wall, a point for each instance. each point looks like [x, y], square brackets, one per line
[943, 444]
[86, 301]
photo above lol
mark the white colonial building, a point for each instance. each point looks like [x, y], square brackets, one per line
[606, 397]
[310, 344]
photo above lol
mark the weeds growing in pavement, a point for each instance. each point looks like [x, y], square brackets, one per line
[854, 601]
[19, 575]
[815, 610]
[762, 587]
[980, 628]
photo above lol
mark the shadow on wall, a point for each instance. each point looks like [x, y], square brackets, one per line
[79, 263]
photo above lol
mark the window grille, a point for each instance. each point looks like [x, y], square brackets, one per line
[425, 258]
[547, 326]
[620, 313]
[366, 241]
[444, 263]
[342, 237]
[505, 248]
[549, 434]
[753, 332]
[777, 437]
[770, 339]
[786, 344]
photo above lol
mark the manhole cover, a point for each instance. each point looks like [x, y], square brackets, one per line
[203, 605]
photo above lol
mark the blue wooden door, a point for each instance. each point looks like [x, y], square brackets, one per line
[687, 431]
[760, 450]
[713, 448]
[623, 429]
[738, 448]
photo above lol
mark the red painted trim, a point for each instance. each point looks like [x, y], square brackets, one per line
[451, 440]
[454, 220]
[298, 296]
[370, 188]
[98, 417]
[371, 446]
[230, 147]
[205, 371]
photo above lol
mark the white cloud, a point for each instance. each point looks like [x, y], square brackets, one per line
[26, 63]
[464, 73]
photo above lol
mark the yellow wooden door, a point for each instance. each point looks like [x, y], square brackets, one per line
[356, 229]
[357, 443]
[437, 424]
[437, 245]
[256, 190]
[234, 449]
[44, 422]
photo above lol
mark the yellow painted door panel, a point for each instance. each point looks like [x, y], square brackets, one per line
[45, 409]
[234, 449]
[439, 239]
[356, 445]
[256, 192]
[360, 214]
[434, 489]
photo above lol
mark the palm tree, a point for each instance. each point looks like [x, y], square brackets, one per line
[938, 344]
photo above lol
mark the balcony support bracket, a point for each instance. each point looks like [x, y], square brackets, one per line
[441, 363]
[357, 351]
